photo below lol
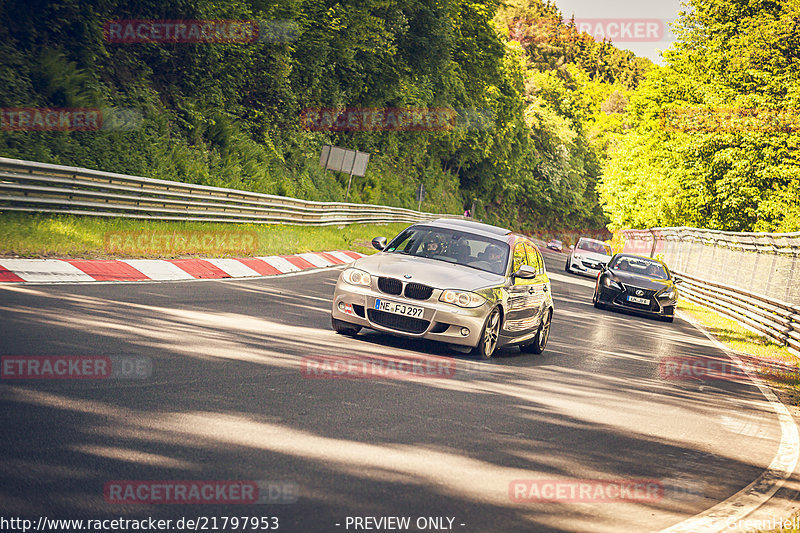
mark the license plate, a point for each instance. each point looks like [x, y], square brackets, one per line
[636, 300]
[398, 309]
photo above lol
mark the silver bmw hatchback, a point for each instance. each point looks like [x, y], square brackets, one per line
[460, 282]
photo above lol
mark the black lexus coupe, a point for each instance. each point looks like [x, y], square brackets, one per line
[637, 283]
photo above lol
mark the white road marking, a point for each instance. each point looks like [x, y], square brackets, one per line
[157, 269]
[315, 260]
[280, 263]
[234, 268]
[342, 256]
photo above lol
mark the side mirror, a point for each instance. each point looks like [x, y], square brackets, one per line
[525, 272]
[571, 246]
[379, 243]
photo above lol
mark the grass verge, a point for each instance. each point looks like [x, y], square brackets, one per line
[734, 335]
[73, 237]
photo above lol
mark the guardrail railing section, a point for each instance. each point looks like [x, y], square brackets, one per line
[45, 188]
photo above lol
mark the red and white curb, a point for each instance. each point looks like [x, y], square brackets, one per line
[81, 270]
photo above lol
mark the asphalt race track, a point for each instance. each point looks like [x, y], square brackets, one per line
[228, 396]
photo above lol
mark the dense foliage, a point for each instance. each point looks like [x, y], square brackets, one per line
[228, 114]
[714, 134]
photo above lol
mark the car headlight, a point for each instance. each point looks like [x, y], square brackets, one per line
[669, 294]
[354, 276]
[608, 282]
[462, 298]
[577, 256]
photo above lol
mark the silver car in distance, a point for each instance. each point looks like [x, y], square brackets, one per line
[460, 282]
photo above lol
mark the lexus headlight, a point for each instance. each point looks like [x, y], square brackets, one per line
[354, 276]
[669, 294]
[608, 282]
[462, 298]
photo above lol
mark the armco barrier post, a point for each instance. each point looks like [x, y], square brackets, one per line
[771, 273]
[653, 244]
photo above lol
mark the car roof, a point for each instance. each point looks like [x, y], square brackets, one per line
[478, 228]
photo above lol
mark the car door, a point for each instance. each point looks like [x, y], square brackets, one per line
[540, 285]
[521, 315]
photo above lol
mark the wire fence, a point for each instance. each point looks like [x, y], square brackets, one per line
[752, 277]
[44, 188]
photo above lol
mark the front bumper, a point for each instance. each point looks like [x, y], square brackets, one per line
[619, 299]
[439, 322]
[578, 266]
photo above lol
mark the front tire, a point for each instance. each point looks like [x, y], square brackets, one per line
[596, 302]
[344, 328]
[567, 269]
[540, 341]
[489, 335]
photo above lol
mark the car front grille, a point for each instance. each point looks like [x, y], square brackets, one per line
[390, 285]
[402, 323]
[418, 291]
[647, 293]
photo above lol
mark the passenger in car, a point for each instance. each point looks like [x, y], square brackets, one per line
[493, 255]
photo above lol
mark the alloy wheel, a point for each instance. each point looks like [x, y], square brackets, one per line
[491, 332]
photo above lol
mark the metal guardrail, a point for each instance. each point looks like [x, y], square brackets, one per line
[45, 188]
[776, 320]
[750, 277]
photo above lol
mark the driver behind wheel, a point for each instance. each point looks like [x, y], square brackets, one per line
[493, 254]
[433, 247]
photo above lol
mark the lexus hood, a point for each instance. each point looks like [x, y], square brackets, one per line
[644, 282]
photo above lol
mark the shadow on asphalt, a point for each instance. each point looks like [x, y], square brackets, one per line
[227, 401]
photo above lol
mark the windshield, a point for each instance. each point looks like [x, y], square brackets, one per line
[452, 246]
[639, 265]
[594, 247]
